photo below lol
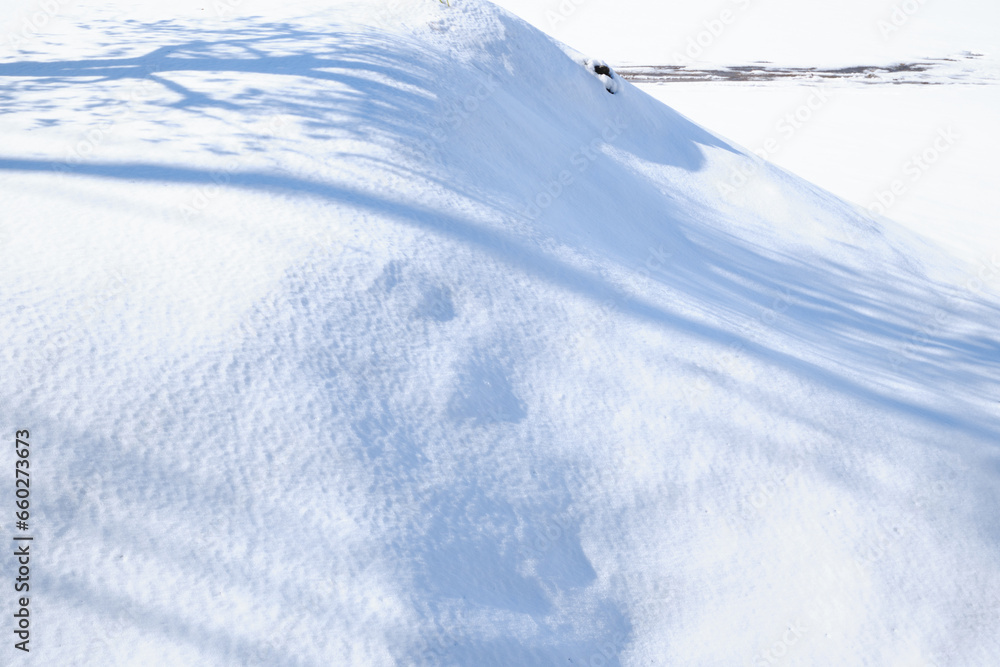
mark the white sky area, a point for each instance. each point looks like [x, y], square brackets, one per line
[781, 31]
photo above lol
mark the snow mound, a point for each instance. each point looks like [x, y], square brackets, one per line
[379, 334]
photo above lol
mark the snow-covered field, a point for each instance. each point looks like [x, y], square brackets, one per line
[381, 334]
[938, 143]
[786, 32]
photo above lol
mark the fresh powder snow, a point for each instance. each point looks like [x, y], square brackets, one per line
[382, 334]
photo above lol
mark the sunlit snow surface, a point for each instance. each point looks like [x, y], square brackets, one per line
[933, 136]
[381, 334]
[807, 33]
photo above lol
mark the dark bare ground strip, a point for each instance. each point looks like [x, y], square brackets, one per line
[919, 73]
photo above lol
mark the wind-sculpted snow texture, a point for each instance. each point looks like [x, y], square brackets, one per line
[383, 335]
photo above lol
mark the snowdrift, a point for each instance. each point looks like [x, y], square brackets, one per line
[385, 335]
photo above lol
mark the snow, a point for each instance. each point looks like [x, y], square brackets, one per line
[864, 138]
[377, 334]
[790, 32]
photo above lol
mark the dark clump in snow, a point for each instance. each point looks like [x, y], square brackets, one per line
[612, 82]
